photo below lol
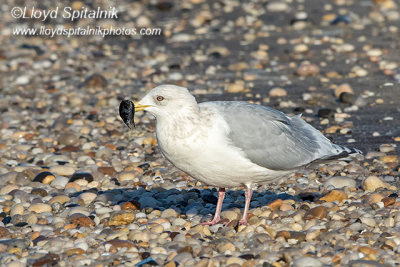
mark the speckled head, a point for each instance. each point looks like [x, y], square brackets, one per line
[164, 100]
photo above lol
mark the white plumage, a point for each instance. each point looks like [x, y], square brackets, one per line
[233, 143]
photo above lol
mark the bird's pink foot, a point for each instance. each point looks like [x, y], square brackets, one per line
[243, 222]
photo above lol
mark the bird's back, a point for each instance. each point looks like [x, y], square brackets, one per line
[274, 140]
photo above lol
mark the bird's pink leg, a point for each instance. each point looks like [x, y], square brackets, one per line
[217, 216]
[247, 194]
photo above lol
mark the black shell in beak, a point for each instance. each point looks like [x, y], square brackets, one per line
[127, 112]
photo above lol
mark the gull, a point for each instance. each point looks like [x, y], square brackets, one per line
[231, 143]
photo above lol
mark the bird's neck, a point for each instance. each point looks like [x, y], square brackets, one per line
[183, 122]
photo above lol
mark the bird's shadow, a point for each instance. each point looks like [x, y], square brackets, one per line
[188, 201]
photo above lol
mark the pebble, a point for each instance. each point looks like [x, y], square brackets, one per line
[17, 209]
[22, 80]
[126, 176]
[60, 199]
[44, 177]
[335, 195]
[8, 188]
[307, 262]
[307, 69]
[277, 92]
[87, 197]
[80, 220]
[60, 182]
[81, 176]
[340, 182]
[110, 171]
[169, 213]
[68, 139]
[371, 183]
[236, 87]
[319, 212]
[277, 6]
[95, 81]
[326, 113]
[40, 208]
[121, 218]
[4, 233]
[62, 170]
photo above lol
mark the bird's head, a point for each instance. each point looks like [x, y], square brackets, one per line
[165, 100]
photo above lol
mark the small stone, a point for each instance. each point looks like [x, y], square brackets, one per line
[120, 243]
[364, 263]
[60, 182]
[8, 188]
[4, 233]
[285, 234]
[389, 159]
[148, 202]
[87, 197]
[236, 87]
[131, 205]
[326, 113]
[121, 218]
[60, 199]
[110, 171]
[319, 212]
[300, 48]
[385, 148]
[126, 176]
[230, 215]
[277, 6]
[277, 92]
[375, 198]
[306, 262]
[275, 204]
[369, 221]
[374, 52]
[210, 199]
[307, 69]
[335, 195]
[50, 259]
[17, 209]
[22, 80]
[44, 177]
[169, 213]
[39, 192]
[40, 207]
[372, 183]
[137, 236]
[346, 98]
[74, 251]
[387, 201]
[238, 66]
[79, 209]
[340, 182]
[62, 170]
[81, 175]
[68, 139]
[95, 81]
[225, 246]
[81, 220]
[368, 250]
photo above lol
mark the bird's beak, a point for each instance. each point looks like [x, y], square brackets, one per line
[139, 107]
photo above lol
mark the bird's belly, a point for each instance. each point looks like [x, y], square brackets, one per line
[216, 165]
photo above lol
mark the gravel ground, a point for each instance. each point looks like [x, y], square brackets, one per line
[77, 188]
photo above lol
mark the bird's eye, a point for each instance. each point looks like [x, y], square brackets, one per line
[160, 98]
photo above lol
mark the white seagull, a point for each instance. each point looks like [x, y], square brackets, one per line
[231, 143]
